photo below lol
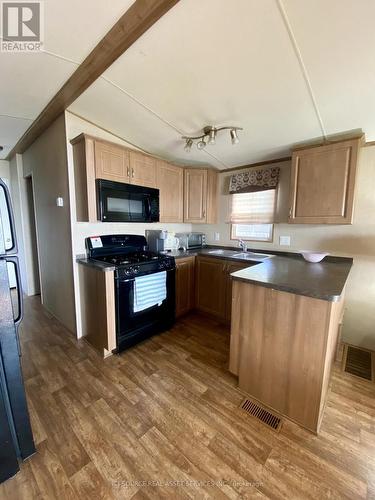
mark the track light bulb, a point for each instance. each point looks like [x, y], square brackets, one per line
[201, 144]
[212, 136]
[189, 143]
[234, 136]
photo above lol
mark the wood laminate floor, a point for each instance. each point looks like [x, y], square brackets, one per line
[163, 421]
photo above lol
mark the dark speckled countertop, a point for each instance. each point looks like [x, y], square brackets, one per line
[284, 271]
[324, 280]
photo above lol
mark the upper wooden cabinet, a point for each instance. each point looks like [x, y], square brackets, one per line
[111, 162]
[142, 169]
[322, 183]
[200, 196]
[97, 159]
[170, 182]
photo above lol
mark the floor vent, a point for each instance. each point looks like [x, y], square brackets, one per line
[261, 414]
[358, 362]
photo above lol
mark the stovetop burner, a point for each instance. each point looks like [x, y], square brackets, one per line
[130, 258]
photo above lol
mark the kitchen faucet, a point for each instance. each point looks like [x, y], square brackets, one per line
[243, 245]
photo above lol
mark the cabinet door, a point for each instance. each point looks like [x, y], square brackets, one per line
[170, 182]
[185, 285]
[195, 199]
[231, 268]
[211, 286]
[142, 170]
[322, 184]
[111, 162]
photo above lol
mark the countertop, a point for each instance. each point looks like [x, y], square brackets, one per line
[324, 280]
[285, 271]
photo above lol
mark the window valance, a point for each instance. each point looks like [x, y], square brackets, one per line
[254, 180]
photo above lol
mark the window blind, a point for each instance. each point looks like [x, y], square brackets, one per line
[253, 208]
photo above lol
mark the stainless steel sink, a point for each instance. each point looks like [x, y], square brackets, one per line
[251, 256]
[260, 257]
[219, 252]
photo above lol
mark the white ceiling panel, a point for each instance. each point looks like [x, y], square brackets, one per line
[73, 28]
[337, 42]
[11, 129]
[120, 115]
[209, 63]
[29, 80]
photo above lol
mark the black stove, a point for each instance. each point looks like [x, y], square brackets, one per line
[131, 258]
[128, 253]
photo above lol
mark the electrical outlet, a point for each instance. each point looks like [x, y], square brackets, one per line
[284, 241]
[216, 236]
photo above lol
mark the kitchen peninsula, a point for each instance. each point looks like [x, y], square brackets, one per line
[286, 319]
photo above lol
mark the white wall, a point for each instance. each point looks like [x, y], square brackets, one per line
[81, 230]
[46, 161]
[4, 169]
[357, 240]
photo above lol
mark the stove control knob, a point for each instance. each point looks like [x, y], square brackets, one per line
[136, 269]
[161, 265]
[128, 271]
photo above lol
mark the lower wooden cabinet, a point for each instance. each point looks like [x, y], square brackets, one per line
[282, 349]
[97, 295]
[185, 285]
[214, 286]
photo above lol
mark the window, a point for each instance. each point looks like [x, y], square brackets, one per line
[253, 215]
[255, 232]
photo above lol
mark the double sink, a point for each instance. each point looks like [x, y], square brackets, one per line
[233, 254]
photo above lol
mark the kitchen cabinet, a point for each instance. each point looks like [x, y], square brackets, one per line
[97, 159]
[214, 286]
[97, 295]
[323, 182]
[282, 349]
[200, 196]
[111, 162]
[170, 182]
[142, 169]
[185, 285]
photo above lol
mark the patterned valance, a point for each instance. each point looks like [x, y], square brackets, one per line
[254, 180]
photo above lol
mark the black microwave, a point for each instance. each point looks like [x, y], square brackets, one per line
[120, 202]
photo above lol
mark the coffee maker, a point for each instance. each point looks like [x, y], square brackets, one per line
[161, 241]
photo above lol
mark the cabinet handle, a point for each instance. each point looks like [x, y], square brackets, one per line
[128, 171]
[204, 213]
[290, 211]
[132, 172]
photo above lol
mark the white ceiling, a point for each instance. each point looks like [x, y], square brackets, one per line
[28, 81]
[221, 62]
[215, 62]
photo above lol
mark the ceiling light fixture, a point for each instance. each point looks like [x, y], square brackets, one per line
[201, 144]
[234, 136]
[189, 143]
[209, 137]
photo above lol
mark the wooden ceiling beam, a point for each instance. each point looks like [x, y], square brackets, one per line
[131, 26]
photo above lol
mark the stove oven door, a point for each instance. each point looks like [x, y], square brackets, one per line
[133, 327]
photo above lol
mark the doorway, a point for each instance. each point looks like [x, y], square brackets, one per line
[31, 241]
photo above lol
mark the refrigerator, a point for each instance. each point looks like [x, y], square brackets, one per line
[16, 439]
